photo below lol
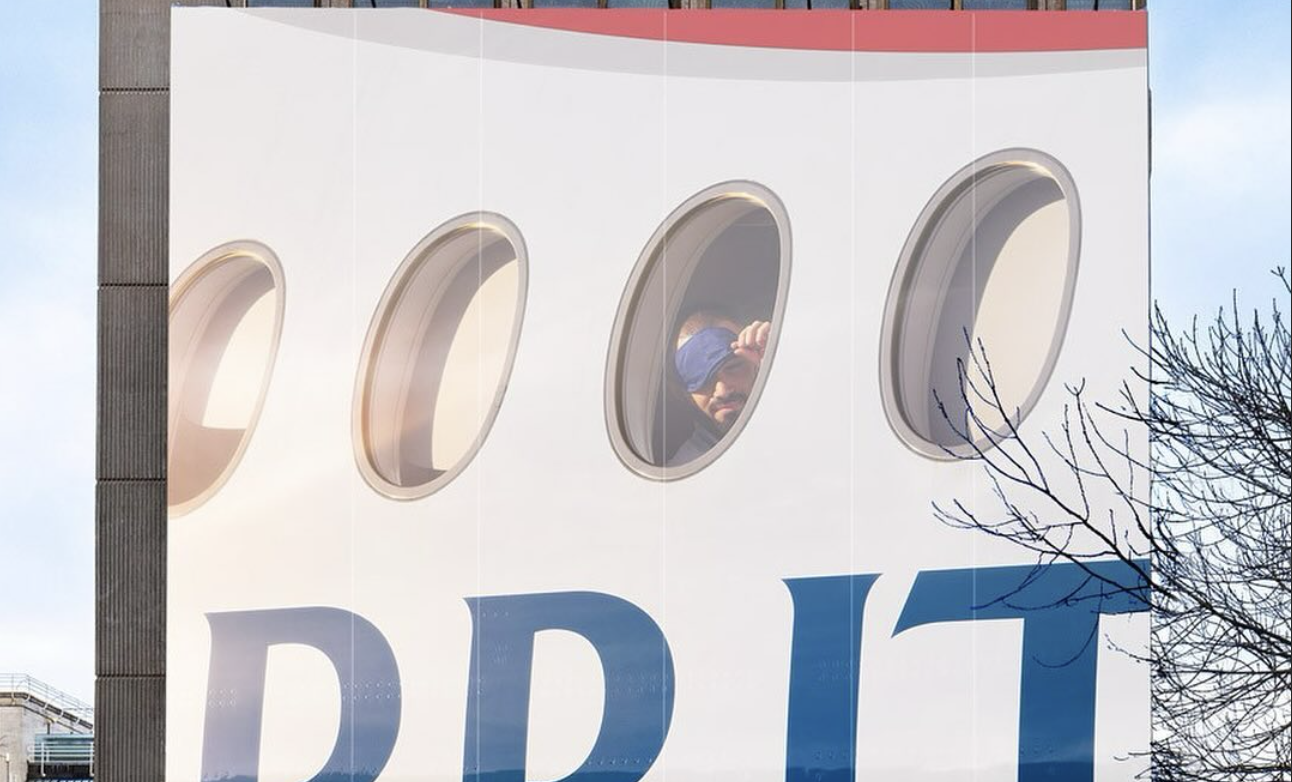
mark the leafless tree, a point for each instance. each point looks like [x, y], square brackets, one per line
[1214, 523]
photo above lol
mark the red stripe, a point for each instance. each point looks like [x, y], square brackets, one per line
[1049, 31]
[919, 31]
[772, 29]
[884, 31]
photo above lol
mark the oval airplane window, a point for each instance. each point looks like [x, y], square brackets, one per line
[992, 263]
[226, 313]
[697, 329]
[438, 355]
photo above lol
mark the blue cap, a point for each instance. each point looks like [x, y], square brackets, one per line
[701, 356]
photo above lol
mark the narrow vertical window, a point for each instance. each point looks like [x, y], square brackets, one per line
[697, 329]
[226, 314]
[985, 283]
[438, 355]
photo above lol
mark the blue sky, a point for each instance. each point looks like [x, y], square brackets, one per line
[48, 197]
[1221, 160]
[1222, 193]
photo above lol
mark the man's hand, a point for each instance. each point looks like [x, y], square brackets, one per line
[751, 342]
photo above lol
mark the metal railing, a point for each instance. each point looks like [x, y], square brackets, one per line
[62, 749]
[19, 687]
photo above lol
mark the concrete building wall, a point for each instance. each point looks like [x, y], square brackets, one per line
[131, 454]
[19, 726]
[16, 724]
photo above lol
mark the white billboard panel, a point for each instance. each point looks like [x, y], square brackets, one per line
[563, 395]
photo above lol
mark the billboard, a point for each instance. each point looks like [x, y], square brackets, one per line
[563, 395]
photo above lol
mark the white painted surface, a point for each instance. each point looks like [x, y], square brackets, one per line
[340, 152]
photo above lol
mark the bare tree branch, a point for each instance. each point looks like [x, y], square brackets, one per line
[1214, 521]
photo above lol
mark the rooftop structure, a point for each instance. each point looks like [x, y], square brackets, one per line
[45, 733]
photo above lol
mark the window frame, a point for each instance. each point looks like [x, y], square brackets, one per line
[391, 299]
[910, 261]
[625, 317]
[184, 285]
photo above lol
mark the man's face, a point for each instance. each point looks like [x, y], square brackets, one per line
[723, 399]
